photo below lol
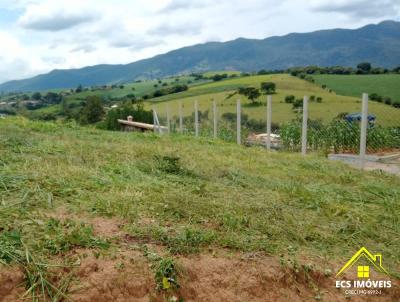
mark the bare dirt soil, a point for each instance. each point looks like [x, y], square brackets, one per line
[216, 275]
[204, 277]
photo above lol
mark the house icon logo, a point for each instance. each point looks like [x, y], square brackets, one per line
[363, 284]
[363, 271]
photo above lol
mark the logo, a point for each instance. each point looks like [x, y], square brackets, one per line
[367, 271]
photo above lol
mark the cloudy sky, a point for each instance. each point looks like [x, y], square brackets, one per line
[37, 36]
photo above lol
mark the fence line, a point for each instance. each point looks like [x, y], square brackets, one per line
[269, 121]
[363, 135]
[304, 128]
[168, 119]
[180, 117]
[238, 122]
[342, 135]
[196, 118]
[215, 129]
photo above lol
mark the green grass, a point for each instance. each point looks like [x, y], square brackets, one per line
[138, 89]
[205, 91]
[387, 85]
[192, 194]
[330, 107]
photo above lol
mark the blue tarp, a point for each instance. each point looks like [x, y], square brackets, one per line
[356, 117]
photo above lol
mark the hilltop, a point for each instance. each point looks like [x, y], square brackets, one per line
[378, 44]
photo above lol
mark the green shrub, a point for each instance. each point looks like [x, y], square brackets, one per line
[387, 101]
[128, 108]
[289, 99]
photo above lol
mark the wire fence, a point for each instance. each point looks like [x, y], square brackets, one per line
[373, 128]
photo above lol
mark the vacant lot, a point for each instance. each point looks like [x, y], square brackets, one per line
[121, 212]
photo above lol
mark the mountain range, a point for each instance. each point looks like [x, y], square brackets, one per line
[378, 44]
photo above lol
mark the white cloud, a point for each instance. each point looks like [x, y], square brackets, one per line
[50, 16]
[60, 34]
[167, 29]
[184, 5]
[359, 8]
[16, 61]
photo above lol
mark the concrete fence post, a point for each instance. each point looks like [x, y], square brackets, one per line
[304, 128]
[180, 117]
[168, 119]
[238, 122]
[269, 118]
[154, 118]
[157, 127]
[215, 119]
[196, 118]
[363, 132]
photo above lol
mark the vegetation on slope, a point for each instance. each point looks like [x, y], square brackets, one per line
[330, 106]
[225, 196]
[353, 85]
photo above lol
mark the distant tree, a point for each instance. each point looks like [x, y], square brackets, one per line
[262, 71]
[37, 96]
[268, 87]
[218, 77]
[121, 86]
[93, 111]
[79, 88]
[53, 98]
[364, 67]
[289, 99]
[397, 69]
[297, 104]
[375, 97]
[387, 101]
[250, 92]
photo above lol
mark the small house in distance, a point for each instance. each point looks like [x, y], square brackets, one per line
[130, 125]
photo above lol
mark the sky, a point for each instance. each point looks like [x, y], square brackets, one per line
[37, 36]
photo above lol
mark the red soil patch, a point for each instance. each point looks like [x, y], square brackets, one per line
[126, 276]
[10, 279]
[211, 278]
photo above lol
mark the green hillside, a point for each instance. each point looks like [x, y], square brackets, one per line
[58, 179]
[386, 85]
[331, 105]
[206, 90]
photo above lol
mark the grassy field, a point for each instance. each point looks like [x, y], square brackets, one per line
[333, 103]
[330, 107]
[184, 195]
[386, 85]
